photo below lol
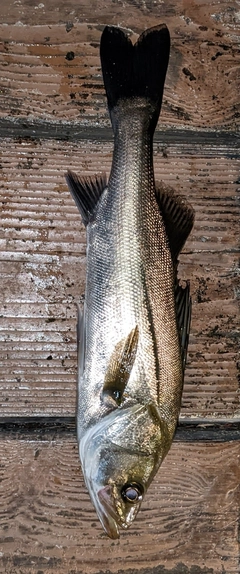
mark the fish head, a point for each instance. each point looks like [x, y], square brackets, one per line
[120, 456]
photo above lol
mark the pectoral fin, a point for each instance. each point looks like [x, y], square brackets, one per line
[119, 369]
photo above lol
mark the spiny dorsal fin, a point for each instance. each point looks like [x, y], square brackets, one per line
[119, 369]
[178, 216]
[135, 71]
[86, 192]
[183, 309]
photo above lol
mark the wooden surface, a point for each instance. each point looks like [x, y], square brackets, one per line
[187, 525]
[43, 272]
[51, 68]
[53, 116]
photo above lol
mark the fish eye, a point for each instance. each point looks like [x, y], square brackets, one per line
[132, 492]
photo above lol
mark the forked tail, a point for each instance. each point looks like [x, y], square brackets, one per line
[135, 71]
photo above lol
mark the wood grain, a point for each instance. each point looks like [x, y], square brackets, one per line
[187, 525]
[42, 243]
[50, 67]
[50, 90]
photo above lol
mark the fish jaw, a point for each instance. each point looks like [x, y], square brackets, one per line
[106, 512]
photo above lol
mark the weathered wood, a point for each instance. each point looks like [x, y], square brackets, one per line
[51, 89]
[187, 525]
[42, 244]
[50, 64]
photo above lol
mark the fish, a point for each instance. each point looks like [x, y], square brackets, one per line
[134, 327]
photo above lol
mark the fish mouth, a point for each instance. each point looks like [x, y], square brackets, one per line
[107, 514]
[109, 517]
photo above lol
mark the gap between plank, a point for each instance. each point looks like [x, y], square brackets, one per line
[23, 128]
[45, 428]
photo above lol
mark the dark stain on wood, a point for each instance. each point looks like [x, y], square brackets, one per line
[178, 569]
[53, 563]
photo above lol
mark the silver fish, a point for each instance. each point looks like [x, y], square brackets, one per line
[133, 331]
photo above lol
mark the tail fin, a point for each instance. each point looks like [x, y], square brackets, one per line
[131, 71]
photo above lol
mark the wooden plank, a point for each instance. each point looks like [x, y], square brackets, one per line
[50, 68]
[187, 525]
[42, 243]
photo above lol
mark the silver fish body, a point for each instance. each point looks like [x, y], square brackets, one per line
[130, 355]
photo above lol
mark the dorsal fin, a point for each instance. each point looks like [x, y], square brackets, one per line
[86, 192]
[119, 369]
[183, 310]
[178, 216]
